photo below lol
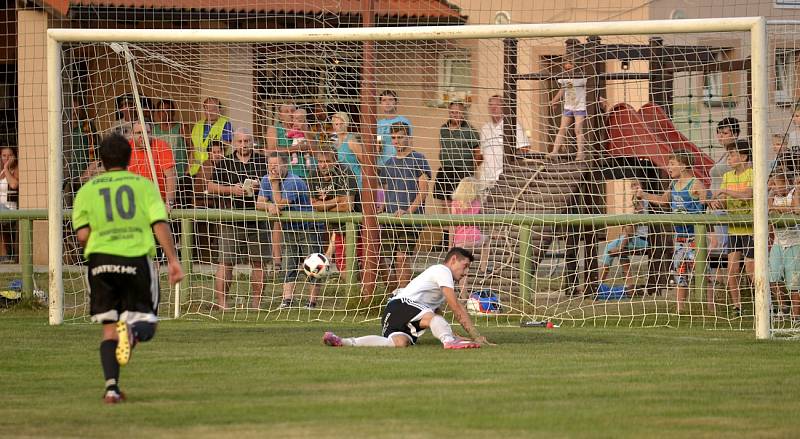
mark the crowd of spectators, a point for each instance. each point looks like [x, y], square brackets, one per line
[314, 162]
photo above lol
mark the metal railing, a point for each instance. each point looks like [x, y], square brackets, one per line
[525, 223]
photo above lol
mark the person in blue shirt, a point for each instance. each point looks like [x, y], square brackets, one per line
[686, 194]
[281, 190]
[388, 101]
[405, 179]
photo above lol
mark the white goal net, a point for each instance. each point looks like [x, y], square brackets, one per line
[597, 178]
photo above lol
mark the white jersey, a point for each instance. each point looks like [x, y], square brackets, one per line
[492, 150]
[786, 236]
[574, 93]
[426, 289]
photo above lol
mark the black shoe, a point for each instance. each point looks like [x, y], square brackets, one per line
[311, 305]
[287, 303]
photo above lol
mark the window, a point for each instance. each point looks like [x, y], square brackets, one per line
[787, 3]
[784, 76]
[455, 77]
[712, 89]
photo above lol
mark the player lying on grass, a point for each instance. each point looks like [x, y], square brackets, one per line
[115, 215]
[418, 307]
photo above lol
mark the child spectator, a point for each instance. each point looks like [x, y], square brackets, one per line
[466, 201]
[633, 238]
[784, 256]
[685, 195]
[736, 197]
[573, 90]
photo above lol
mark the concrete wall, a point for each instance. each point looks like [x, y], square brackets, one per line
[31, 61]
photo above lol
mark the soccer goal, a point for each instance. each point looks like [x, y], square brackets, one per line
[546, 149]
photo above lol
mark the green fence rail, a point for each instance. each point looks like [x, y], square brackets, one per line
[525, 222]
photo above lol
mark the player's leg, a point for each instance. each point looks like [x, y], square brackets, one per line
[561, 136]
[108, 361]
[227, 259]
[256, 281]
[292, 261]
[579, 136]
[141, 295]
[734, 270]
[400, 328]
[104, 305]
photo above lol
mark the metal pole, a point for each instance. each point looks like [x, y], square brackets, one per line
[26, 255]
[412, 33]
[760, 75]
[55, 217]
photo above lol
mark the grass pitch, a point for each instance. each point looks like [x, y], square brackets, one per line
[275, 379]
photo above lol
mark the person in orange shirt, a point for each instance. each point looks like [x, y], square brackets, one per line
[163, 161]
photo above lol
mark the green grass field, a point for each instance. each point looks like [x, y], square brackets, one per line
[275, 379]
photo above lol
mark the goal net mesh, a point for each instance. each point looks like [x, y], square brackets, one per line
[605, 127]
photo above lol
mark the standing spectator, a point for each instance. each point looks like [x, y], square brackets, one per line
[200, 181]
[213, 126]
[405, 179]
[9, 199]
[81, 156]
[282, 190]
[685, 195]
[168, 128]
[277, 141]
[126, 114]
[320, 125]
[388, 101]
[332, 187]
[727, 133]
[784, 256]
[492, 150]
[459, 145]
[736, 197]
[163, 162]
[349, 151]
[118, 242]
[236, 181]
[573, 90]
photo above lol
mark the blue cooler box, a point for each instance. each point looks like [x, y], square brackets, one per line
[610, 292]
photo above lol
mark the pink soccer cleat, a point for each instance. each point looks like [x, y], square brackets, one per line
[461, 344]
[332, 340]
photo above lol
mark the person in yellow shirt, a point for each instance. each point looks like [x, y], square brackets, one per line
[735, 196]
[213, 126]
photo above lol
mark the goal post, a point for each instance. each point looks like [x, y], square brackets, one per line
[759, 50]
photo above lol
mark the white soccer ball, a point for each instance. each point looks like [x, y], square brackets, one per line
[317, 265]
[473, 305]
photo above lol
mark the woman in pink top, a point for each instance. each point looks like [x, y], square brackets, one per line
[465, 201]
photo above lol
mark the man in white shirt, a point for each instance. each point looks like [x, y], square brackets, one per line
[492, 143]
[418, 307]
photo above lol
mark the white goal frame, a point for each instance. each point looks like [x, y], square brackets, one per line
[756, 26]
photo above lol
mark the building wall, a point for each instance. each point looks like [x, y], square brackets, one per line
[33, 117]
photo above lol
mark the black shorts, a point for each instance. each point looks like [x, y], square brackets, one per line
[743, 244]
[402, 316]
[446, 182]
[119, 284]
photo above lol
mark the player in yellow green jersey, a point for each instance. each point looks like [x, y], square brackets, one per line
[115, 215]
